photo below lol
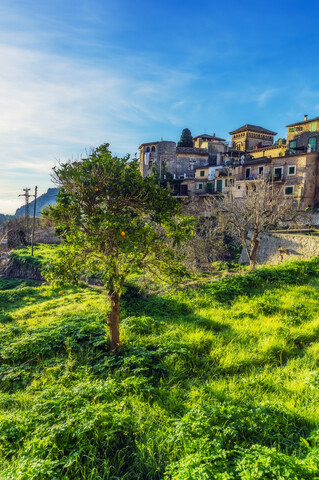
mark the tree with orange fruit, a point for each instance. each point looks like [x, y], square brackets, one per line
[114, 222]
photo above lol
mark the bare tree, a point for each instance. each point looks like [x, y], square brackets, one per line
[208, 244]
[261, 208]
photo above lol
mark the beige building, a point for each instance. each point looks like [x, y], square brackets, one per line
[213, 167]
[293, 177]
[250, 137]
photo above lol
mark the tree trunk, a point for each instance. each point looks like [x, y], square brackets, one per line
[253, 254]
[114, 320]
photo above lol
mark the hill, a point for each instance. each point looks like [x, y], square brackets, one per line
[47, 198]
[4, 217]
[214, 382]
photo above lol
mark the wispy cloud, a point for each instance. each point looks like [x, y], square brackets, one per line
[265, 96]
[54, 106]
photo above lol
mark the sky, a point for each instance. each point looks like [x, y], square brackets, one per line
[76, 74]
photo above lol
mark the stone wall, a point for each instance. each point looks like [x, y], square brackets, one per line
[198, 206]
[276, 248]
[46, 235]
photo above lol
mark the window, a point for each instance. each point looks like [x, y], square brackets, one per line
[200, 186]
[247, 172]
[278, 173]
[293, 146]
[313, 126]
[289, 190]
[292, 170]
[202, 173]
[313, 143]
[291, 129]
[261, 171]
[153, 149]
[226, 182]
[148, 149]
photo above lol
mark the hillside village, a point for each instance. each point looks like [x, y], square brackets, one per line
[212, 165]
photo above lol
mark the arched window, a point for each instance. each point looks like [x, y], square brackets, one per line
[153, 148]
[148, 149]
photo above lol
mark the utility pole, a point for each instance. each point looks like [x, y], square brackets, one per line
[26, 194]
[4, 254]
[33, 225]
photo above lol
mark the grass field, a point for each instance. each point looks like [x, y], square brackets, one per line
[220, 381]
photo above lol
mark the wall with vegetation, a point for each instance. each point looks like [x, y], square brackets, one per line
[279, 247]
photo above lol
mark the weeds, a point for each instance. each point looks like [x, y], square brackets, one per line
[218, 382]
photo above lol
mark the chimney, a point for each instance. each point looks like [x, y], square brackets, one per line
[305, 118]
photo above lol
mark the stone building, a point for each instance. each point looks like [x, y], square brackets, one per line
[303, 136]
[178, 164]
[212, 166]
[293, 177]
[249, 137]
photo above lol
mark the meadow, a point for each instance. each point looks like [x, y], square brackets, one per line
[214, 381]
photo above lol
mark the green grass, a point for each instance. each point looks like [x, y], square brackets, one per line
[41, 252]
[214, 382]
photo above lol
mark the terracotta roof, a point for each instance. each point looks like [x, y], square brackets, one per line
[191, 150]
[304, 121]
[254, 128]
[212, 137]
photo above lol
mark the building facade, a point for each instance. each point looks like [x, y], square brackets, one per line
[213, 166]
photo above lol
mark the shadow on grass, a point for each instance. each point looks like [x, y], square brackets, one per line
[135, 302]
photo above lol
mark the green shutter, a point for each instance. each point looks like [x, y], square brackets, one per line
[313, 143]
[202, 173]
[313, 127]
[226, 182]
[293, 146]
[289, 190]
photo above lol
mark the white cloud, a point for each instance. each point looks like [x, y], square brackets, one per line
[263, 97]
[54, 106]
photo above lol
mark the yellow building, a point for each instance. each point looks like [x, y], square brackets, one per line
[271, 151]
[204, 141]
[250, 137]
[303, 136]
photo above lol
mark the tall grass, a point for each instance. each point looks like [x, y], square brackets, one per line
[218, 382]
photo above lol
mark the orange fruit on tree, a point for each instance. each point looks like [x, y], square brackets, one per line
[122, 234]
[60, 293]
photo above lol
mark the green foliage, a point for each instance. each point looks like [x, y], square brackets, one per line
[114, 223]
[186, 139]
[202, 389]
[294, 273]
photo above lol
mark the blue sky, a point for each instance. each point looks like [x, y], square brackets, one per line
[76, 74]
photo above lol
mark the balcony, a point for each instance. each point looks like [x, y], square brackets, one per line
[251, 177]
[268, 178]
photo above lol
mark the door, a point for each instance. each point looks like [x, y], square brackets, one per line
[219, 186]
[184, 190]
